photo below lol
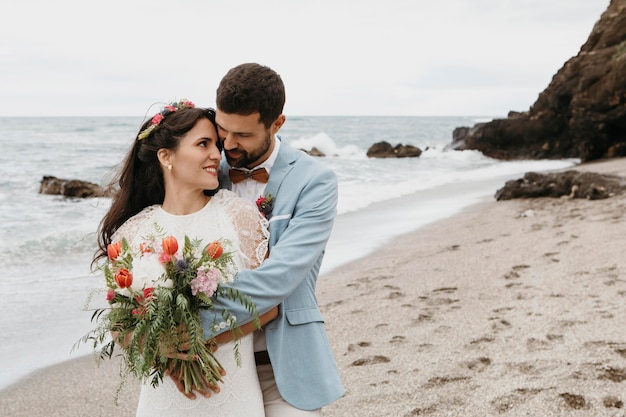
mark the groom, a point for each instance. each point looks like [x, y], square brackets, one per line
[295, 363]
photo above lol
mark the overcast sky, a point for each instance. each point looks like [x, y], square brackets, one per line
[352, 57]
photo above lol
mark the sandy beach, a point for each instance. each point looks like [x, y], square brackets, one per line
[511, 308]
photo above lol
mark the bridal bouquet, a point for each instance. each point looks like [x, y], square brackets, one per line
[155, 294]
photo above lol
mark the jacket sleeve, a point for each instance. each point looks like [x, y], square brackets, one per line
[303, 229]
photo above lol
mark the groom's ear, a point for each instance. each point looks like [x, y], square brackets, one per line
[278, 123]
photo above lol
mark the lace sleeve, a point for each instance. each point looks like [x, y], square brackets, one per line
[251, 229]
[130, 228]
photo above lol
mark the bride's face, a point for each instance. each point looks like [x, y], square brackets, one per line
[196, 160]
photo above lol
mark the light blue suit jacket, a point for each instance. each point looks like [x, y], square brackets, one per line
[304, 208]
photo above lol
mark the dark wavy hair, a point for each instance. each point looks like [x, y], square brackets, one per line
[250, 88]
[140, 180]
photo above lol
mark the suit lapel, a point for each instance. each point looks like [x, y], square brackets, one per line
[285, 159]
[224, 179]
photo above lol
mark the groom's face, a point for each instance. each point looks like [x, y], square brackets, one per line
[247, 142]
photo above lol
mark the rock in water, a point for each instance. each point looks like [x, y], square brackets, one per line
[72, 188]
[582, 112]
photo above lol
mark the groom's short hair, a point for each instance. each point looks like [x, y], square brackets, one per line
[250, 88]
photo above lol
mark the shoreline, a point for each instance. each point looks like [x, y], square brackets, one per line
[511, 305]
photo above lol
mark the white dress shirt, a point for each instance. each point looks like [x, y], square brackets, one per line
[250, 189]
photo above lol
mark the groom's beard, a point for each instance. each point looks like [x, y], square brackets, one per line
[249, 159]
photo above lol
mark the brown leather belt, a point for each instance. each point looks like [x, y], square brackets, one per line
[262, 358]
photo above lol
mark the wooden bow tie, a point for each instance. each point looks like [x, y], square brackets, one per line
[259, 174]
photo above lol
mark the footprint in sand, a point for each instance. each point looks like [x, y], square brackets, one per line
[611, 401]
[443, 380]
[573, 401]
[620, 351]
[552, 255]
[499, 324]
[513, 273]
[506, 403]
[453, 247]
[481, 340]
[448, 290]
[421, 319]
[613, 374]
[394, 295]
[555, 337]
[371, 360]
[352, 347]
[478, 364]
[534, 344]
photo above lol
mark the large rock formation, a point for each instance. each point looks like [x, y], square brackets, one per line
[573, 184]
[582, 112]
[72, 188]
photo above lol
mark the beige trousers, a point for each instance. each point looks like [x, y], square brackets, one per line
[275, 405]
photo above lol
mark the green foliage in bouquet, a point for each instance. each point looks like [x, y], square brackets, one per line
[155, 295]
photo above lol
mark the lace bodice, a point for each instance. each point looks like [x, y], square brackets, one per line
[229, 217]
[225, 216]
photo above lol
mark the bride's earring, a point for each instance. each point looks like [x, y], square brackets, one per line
[169, 168]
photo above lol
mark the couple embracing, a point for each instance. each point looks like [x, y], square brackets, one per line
[286, 368]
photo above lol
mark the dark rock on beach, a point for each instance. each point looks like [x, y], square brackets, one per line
[314, 152]
[72, 188]
[386, 150]
[573, 184]
[582, 112]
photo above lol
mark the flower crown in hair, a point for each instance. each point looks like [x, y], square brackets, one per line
[167, 110]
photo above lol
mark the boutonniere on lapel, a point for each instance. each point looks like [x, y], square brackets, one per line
[265, 205]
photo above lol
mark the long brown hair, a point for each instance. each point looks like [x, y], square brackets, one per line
[140, 179]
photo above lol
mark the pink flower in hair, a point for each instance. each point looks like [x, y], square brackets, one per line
[157, 118]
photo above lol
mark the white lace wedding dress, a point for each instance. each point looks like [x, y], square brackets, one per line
[229, 217]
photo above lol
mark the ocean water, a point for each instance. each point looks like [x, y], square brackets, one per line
[46, 242]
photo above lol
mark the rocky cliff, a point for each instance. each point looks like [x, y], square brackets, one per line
[582, 112]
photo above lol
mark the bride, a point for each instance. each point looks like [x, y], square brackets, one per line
[173, 160]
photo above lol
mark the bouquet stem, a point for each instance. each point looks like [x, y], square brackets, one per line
[196, 375]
